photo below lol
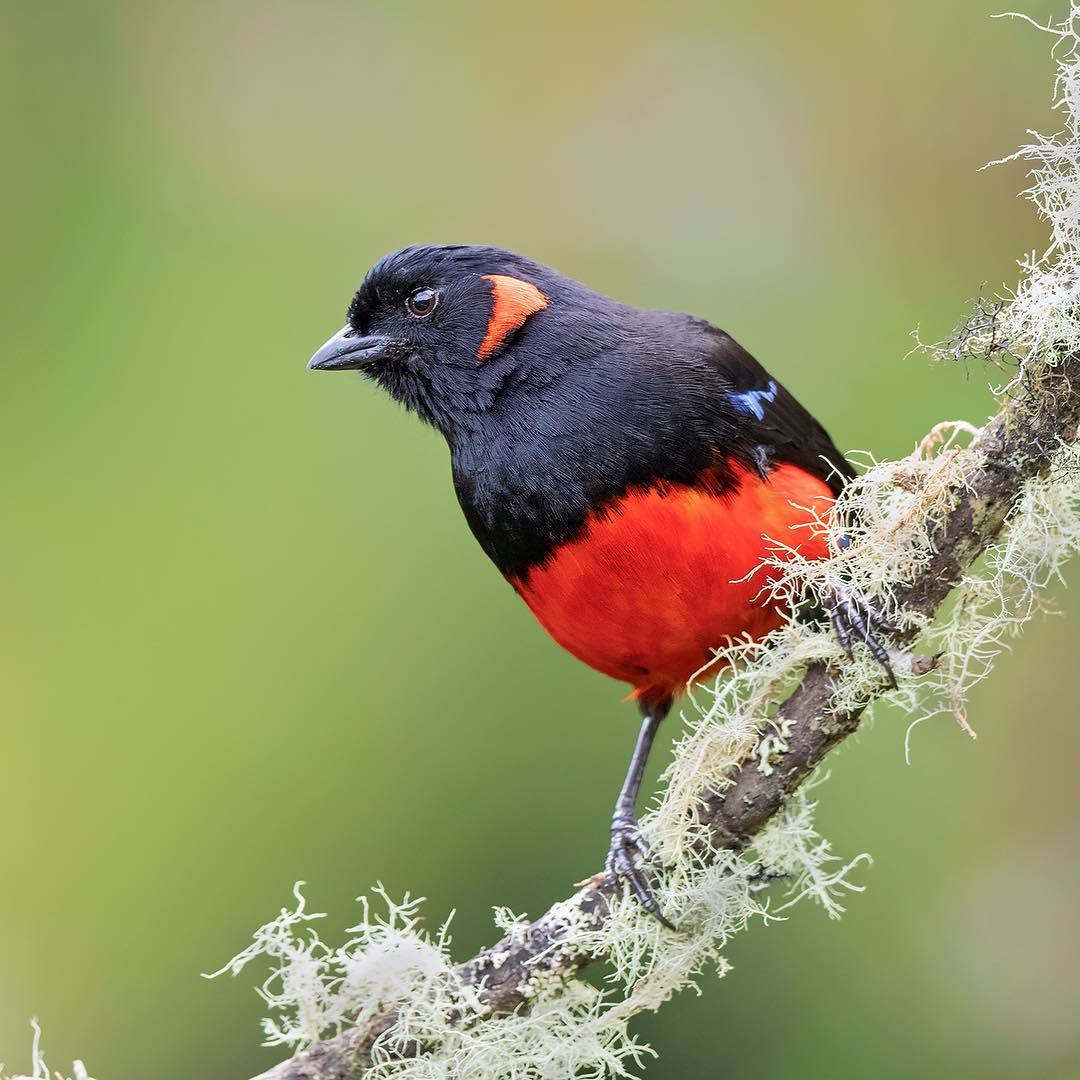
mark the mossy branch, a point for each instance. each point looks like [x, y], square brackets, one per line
[1019, 444]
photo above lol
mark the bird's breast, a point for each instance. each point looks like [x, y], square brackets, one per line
[662, 575]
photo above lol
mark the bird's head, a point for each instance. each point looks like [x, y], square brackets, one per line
[449, 330]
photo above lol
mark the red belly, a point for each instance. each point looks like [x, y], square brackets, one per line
[659, 578]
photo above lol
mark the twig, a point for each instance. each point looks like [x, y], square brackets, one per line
[1016, 445]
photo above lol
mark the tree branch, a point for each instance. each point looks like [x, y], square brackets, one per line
[1015, 446]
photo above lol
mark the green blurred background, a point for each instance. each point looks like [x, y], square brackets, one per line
[247, 636]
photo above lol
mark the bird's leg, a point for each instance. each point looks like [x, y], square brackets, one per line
[628, 846]
[854, 620]
[857, 618]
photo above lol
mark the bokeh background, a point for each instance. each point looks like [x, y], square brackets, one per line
[247, 637]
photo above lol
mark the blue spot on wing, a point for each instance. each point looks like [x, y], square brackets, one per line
[750, 401]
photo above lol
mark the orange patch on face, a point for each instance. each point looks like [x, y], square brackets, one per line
[513, 301]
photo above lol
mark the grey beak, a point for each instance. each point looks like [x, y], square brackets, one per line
[347, 350]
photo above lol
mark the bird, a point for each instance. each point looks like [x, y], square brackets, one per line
[627, 470]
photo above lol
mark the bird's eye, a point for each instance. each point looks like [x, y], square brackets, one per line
[422, 302]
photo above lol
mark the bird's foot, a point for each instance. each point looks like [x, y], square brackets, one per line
[855, 619]
[626, 859]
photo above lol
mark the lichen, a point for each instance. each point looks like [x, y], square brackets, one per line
[886, 518]
[38, 1069]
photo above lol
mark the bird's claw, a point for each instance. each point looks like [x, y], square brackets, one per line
[853, 620]
[625, 860]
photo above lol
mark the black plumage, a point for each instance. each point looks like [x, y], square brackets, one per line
[589, 399]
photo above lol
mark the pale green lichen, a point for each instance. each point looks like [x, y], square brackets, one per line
[888, 513]
[313, 989]
[791, 848]
[38, 1069]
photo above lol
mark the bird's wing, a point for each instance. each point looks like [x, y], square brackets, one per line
[770, 426]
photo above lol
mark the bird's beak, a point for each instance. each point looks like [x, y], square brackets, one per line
[348, 350]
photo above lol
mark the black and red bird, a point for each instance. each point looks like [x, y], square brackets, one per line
[626, 470]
